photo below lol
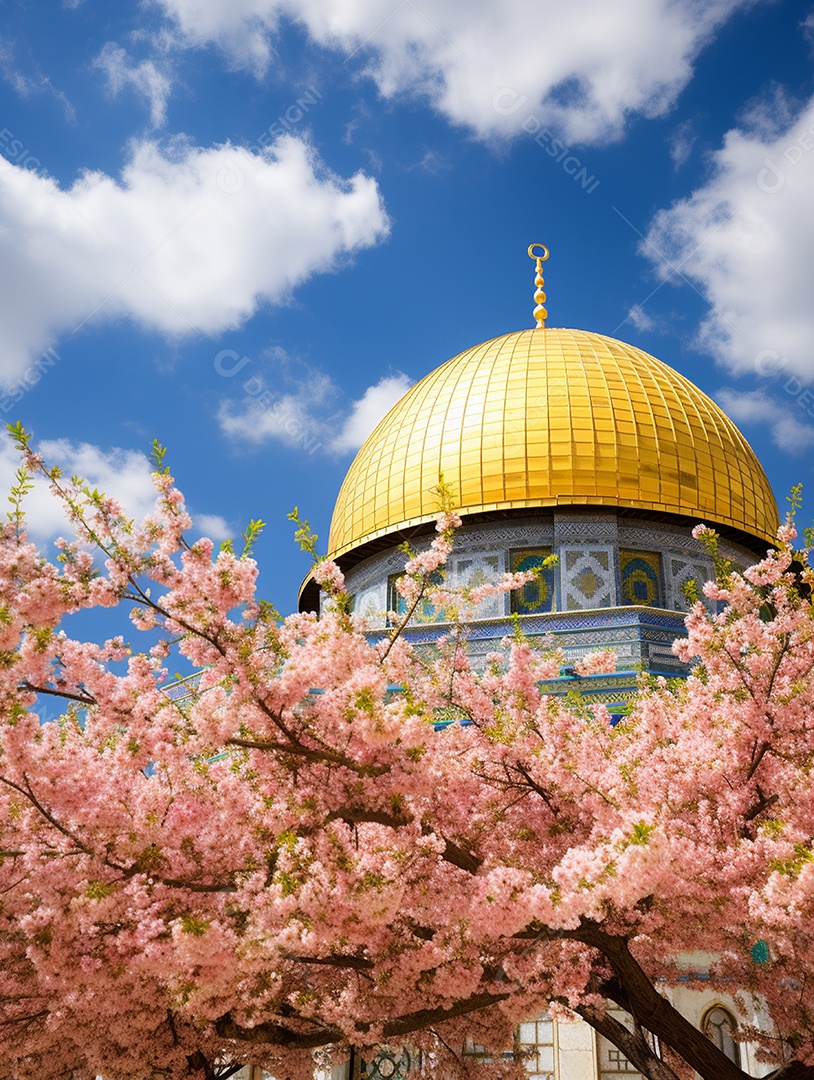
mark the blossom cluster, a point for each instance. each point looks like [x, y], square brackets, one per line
[291, 855]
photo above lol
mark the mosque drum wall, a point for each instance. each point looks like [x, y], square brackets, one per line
[617, 585]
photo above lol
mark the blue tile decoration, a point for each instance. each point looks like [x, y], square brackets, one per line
[538, 595]
[641, 577]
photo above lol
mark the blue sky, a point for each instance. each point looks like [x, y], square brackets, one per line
[245, 227]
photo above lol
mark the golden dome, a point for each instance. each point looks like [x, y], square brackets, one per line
[553, 417]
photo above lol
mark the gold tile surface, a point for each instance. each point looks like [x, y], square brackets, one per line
[552, 417]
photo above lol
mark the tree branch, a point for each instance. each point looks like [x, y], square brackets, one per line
[83, 699]
[308, 753]
[27, 793]
[763, 803]
[193, 886]
[279, 1035]
[655, 1012]
[632, 1043]
[795, 1070]
[357, 963]
[459, 857]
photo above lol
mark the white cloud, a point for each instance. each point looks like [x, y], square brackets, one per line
[371, 407]
[243, 29]
[26, 85]
[580, 67]
[121, 474]
[144, 78]
[640, 319]
[295, 418]
[754, 407]
[746, 239]
[189, 239]
[306, 417]
[682, 141]
[211, 525]
[807, 26]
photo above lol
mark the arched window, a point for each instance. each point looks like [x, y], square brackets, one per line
[719, 1025]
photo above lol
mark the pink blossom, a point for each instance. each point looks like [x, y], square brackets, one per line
[283, 848]
[601, 662]
[328, 574]
[787, 533]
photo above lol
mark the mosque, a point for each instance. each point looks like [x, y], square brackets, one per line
[559, 442]
[567, 443]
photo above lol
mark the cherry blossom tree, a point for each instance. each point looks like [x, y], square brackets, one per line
[294, 858]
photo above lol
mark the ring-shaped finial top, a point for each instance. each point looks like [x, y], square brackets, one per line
[542, 257]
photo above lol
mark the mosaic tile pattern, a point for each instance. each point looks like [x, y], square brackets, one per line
[540, 594]
[573, 528]
[587, 577]
[640, 574]
[564, 529]
[642, 639]
[590, 574]
[425, 612]
[479, 568]
[681, 570]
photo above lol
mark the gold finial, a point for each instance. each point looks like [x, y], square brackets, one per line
[540, 313]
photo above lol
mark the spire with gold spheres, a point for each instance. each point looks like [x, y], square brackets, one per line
[540, 313]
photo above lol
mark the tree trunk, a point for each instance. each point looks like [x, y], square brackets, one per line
[795, 1070]
[632, 1044]
[656, 1014]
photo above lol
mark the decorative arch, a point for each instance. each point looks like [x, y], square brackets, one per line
[720, 1026]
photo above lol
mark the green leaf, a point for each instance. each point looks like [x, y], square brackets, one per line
[303, 536]
[157, 454]
[250, 535]
[192, 925]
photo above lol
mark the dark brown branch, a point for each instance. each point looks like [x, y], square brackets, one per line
[279, 1035]
[423, 933]
[306, 752]
[546, 933]
[276, 1034]
[128, 872]
[655, 1013]
[198, 1063]
[357, 815]
[423, 1018]
[632, 1043]
[83, 699]
[537, 788]
[632, 990]
[193, 886]
[171, 1026]
[399, 630]
[460, 857]
[226, 1071]
[24, 1019]
[357, 963]
[27, 793]
[757, 760]
[13, 885]
[763, 803]
[778, 661]
[795, 1070]
[360, 815]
